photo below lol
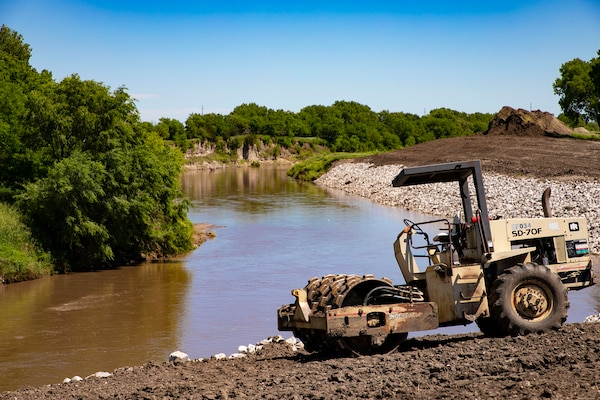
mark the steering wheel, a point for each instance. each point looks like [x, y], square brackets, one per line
[414, 226]
[418, 230]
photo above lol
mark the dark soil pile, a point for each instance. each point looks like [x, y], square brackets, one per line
[557, 365]
[510, 121]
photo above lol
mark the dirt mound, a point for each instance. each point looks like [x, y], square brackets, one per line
[510, 121]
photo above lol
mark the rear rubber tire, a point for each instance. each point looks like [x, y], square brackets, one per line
[527, 298]
[335, 291]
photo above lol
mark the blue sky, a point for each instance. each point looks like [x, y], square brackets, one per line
[182, 57]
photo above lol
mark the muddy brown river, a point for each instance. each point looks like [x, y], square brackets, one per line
[272, 234]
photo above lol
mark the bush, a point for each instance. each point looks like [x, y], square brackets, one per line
[313, 167]
[20, 259]
[92, 214]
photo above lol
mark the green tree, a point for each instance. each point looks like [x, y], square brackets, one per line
[77, 115]
[94, 184]
[174, 130]
[144, 209]
[11, 42]
[124, 205]
[443, 123]
[18, 80]
[357, 123]
[479, 122]
[323, 122]
[405, 126]
[578, 89]
[205, 127]
[63, 211]
[313, 118]
[248, 119]
[283, 123]
[171, 129]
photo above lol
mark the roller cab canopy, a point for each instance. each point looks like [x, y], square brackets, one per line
[452, 172]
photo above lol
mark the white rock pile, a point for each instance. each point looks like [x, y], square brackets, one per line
[179, 357]
[594, 318]
[243, 350]
[507, 197]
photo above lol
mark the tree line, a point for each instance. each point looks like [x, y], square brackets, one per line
[345, 126]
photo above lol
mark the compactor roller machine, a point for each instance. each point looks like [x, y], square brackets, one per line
[509, 276]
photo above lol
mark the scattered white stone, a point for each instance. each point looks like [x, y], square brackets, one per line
[178, 356]
[67, 380]
[220, 356]
[291, 341]
[237, 355]
[277, 339]
[265, 341]
[247, 349]
[76, 378]
[592, 318]
[99, 374]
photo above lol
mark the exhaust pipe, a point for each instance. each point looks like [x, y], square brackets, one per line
[546, 203]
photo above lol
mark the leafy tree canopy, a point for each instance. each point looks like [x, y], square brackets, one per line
[579, 90]
[345, 126]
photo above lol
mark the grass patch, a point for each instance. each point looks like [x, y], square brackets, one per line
[593, 136]
[313, 167]
[20, 259]
[586, 136]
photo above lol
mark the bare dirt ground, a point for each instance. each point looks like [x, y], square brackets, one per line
[557, 365]
[537, 156]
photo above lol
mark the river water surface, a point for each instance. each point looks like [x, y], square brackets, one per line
[272, 234]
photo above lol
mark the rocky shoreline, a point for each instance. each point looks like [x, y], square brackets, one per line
[507, 197]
